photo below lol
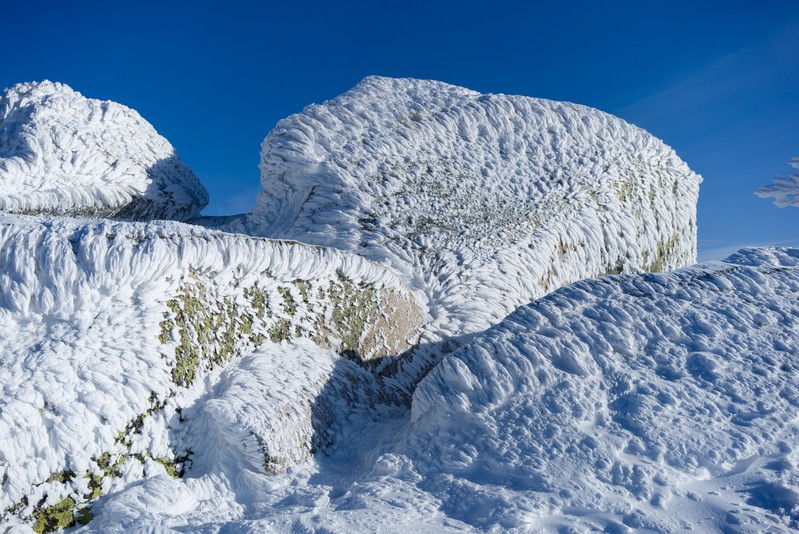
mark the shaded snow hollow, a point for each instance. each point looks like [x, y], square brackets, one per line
[63, 154]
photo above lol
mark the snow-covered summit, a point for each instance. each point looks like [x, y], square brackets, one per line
[61, 153]
[481, 202]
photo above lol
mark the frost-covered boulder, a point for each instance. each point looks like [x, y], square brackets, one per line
[114, 337]
[481, 202]
[61, 153]
[655, 402]
[651, 403]
[784, 191]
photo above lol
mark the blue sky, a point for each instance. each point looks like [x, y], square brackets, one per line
[718, 81]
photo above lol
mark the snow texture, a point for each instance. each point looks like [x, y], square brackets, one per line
[111, 329]
[784, 191]
[650, 402]
[61, 153]
[480, 202]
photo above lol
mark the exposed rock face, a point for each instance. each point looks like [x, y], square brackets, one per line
[111, 329]
[63, 154]
[481, 202]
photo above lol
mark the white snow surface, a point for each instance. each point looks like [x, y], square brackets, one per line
[480, 202]
[63, 154]
[82, 309]
[650, 402]
[784, 191]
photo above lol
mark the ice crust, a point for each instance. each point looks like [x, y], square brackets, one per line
[63, 154]
[480, 202]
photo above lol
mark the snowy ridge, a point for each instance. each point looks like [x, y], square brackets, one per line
[110, 330]
[63, 154]
[784, 191]
[480, 202]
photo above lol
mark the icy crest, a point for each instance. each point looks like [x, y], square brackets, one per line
[784, 191]
[61, 153]
[481, 202]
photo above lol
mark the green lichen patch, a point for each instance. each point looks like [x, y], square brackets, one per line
[664, 255]
[175, 467]
[51, 518]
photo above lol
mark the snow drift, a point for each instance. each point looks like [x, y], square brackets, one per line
[480, 202]
[61, 153]
[654, 402]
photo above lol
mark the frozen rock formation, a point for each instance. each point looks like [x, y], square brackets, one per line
[115, 334]
[61, 153]
[784, 191]
[480, 202]
[651, 402]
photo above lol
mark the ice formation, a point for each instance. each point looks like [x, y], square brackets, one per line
[110, 330]
[480, 202]
[784, 191]
[161, 375]
[650, 402]
[61, 153]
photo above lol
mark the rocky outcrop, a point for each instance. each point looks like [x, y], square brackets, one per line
[113, 331]
[480, 202]
[63, 154]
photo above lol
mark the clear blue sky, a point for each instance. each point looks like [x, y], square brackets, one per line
[718, 81]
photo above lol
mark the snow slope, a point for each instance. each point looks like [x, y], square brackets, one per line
[480, 202]
[61, 153]
[784, 191]
[652, 403]
[110, 330]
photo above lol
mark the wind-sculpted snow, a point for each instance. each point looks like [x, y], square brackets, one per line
[114, 337]
[61, 153]
[784, 191]
[481, 202]
[652, 402]
[658, 402]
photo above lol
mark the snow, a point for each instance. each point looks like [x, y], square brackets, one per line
[652, 402]
[784, 191]
[63, 154]
[96, 319]
[480, 202]
[436, 350]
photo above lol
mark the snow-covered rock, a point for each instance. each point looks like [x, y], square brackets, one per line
[480, 202]
[61, 153]
[784, 191]
[112, 332]
[655, 402]
[651, 402]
